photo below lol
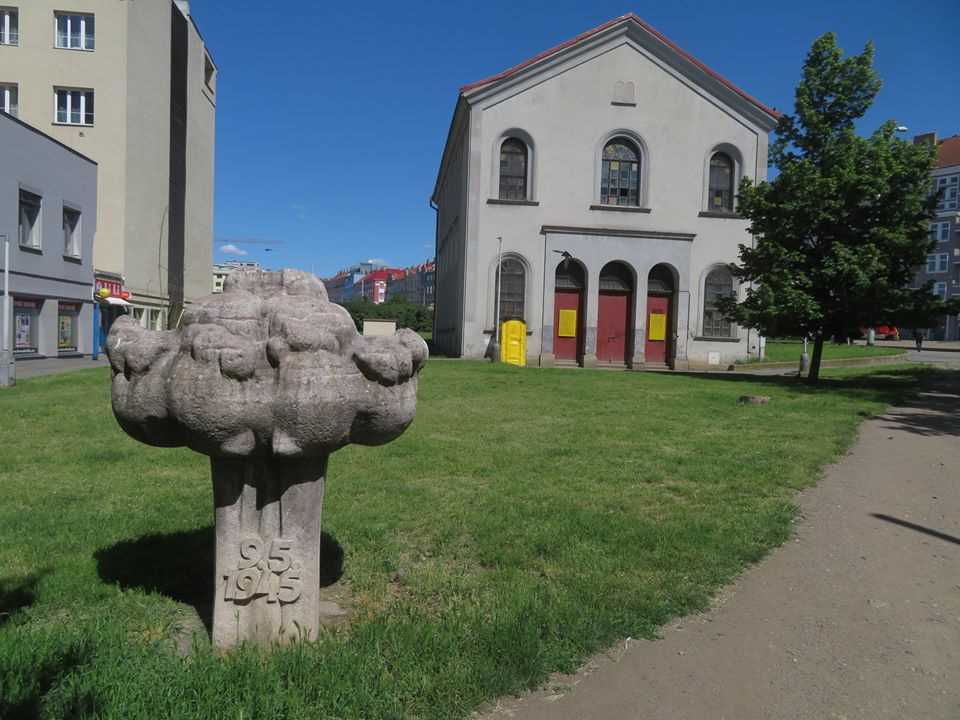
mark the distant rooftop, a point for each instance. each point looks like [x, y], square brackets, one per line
[948, 152]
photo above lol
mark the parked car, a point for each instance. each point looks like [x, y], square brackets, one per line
[883, 332]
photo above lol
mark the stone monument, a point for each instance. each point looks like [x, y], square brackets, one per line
[267, 378]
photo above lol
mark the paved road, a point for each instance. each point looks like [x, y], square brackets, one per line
[857, 618]
[940, 357]
[52, 366]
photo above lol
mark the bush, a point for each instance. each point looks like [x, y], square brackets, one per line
[407, 315]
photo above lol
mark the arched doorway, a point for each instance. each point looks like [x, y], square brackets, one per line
[658, 347]
[613, 313]
[568, 311]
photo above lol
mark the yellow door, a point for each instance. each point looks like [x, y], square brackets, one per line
[513, 342]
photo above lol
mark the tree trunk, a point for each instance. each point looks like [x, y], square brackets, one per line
[814, 375]
[267, 583]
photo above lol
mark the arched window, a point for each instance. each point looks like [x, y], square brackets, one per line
[620, 173]
[721, 183]
[719, 284]
[513, 170]
[513, 282]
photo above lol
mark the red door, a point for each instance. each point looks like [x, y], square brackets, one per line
[612, 327]
[566, 327]
[658, 329]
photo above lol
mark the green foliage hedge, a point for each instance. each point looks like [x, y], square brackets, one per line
[407, 315]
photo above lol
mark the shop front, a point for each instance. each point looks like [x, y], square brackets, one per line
[68, 328]
[111, 303]
[26, 326]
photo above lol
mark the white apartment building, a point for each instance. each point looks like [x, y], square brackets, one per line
[132, 86]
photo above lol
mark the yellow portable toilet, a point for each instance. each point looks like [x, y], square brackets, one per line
[513, 342]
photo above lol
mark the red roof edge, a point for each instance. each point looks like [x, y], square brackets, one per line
[948, 152]
[772, 112]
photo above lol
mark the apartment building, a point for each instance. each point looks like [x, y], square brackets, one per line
[132, 86]
[340, 287]
[415, 284]
[943, 262]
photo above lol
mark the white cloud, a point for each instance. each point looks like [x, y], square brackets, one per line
[231, 249]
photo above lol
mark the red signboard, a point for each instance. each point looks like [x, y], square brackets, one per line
[114, 286]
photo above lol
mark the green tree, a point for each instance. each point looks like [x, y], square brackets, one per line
[841, 229]
[924, 308]
[407, 314]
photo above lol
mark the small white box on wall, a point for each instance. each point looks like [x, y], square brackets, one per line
[713, 358]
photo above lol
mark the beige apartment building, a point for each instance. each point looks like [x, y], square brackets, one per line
[132, 86]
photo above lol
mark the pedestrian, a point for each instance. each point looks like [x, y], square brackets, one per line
[918, 338]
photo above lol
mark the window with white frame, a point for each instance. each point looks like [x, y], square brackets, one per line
[74, 107]
[74, 32]
[940, 289]
[71, 232]
[940, 231]
[9, 26]
[8, 98]
[937, 263]
[949, 189]
[29, 219]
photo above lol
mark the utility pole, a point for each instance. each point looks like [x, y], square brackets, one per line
[8, 371]
[496, 310]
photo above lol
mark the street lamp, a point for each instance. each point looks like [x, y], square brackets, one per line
[495, 348]
[8, 373]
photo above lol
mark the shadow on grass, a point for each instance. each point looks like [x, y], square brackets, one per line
[933, 412]
[181, 566]
[924, 401]
[41, 678]
[890, 385]
[17, 594]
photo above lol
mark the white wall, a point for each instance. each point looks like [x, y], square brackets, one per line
[568, 114]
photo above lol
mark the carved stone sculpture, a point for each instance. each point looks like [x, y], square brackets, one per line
[267, 378]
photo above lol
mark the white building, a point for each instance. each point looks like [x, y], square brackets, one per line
[608, 166]
[221, 271]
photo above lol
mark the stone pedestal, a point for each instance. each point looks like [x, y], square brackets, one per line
[267, 378]
[267, 581]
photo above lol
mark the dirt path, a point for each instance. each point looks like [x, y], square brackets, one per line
[858, 617]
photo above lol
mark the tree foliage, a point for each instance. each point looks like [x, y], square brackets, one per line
[407, 315]
[841, 230]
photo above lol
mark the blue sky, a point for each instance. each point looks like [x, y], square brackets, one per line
[331, 117]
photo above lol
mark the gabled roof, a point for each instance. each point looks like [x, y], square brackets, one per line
[948, 152]
[622, 20]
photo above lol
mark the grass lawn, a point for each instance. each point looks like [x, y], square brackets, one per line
[526, 519]
[789, 351]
